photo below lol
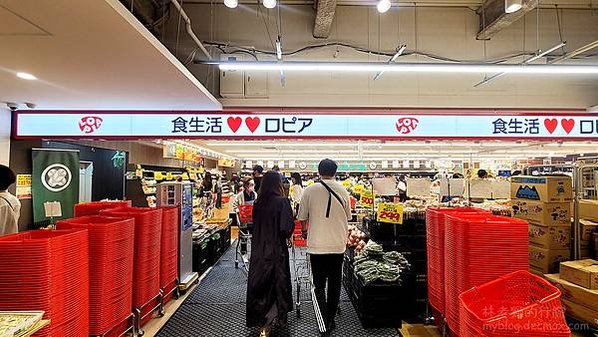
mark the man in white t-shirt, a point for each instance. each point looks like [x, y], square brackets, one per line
[10, 206]
[326, 208]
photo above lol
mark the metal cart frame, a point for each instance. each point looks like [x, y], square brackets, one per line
[244, 240]
[138, 311]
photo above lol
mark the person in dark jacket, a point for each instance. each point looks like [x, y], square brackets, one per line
[269, 292]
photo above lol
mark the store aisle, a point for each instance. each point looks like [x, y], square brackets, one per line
[216, 308]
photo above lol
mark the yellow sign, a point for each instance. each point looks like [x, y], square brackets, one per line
[23, 186]
[226, 163]
[346, 183]
[358, 189]
[390, 213]
[367, 199]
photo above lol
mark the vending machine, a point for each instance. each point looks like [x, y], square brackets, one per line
[181, 194]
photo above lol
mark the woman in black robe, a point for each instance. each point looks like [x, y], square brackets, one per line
[269, 292]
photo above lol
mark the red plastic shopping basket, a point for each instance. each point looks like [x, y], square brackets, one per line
[246, 213]
[517, 304]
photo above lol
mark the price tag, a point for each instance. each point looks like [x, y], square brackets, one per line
[390, 213]
[358, 189]
[346, 183]
[367, 199]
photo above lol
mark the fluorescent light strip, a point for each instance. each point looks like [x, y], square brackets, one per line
[412, 67]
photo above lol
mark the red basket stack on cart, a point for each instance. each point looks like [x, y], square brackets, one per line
[94, 208]
[435, 227]
[480, 248]
[146, 257]
[111, 243]
[246, 213]
[298, 240]
[517, 304]
[169, 249]
[49, 271]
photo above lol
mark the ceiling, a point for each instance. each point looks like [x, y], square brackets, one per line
[90, 55]
[431, 3]
[396, 150]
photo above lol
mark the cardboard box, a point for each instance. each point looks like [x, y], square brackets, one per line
[537, 271]
[587, 229]
[547, 260]
[574, 293]
[583, 273]
[542, 188]
[556, 237]
[547, 214]
[588, 209]
[581, 313]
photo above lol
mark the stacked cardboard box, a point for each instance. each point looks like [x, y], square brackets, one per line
[545, 202]
[578, 282]
[588, 244]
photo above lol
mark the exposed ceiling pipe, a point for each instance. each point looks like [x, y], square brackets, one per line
[576, 52]
[531, 59]
[190, 28]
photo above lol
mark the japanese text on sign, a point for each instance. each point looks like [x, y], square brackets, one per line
[390, 213]
[517, 126]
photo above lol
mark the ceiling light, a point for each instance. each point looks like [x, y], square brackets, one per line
[26, 76]
[269, 3]
[512, 6]
[471, 68]
[383, 6]
[231, 3]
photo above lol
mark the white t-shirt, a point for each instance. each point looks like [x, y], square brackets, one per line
[297, 193]
[325, 235]
[10, 209]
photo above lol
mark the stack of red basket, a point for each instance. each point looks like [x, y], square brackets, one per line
[298, 239]
[518, 304]
[111, 243]
[49, 271]
[146, 258]
[435, 227]
[94, 208]
[478, 249]
[169, 259]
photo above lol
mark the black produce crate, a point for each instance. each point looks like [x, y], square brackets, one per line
[201, 256]
[215, 249]
[379, 305]
[225, 237]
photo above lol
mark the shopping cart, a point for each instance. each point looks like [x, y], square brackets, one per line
[301, 267]
[243, 248]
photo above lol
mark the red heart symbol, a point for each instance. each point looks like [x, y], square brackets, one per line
[252, 123]
[568, 125]
[551, 124]
[234, 123]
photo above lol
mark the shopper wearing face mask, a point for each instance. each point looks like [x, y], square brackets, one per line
[10, 206]
[269, 291]
[326, 208]
[246, 195]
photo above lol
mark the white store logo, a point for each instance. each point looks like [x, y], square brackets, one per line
[56, 177]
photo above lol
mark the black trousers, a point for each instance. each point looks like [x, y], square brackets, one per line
[327, 270]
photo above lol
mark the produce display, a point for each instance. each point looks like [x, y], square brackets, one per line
[356, 239]
[376, 265]
[17, 322]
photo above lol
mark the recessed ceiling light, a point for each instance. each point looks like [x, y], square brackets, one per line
[26, 76]
[383, 6]
[269, 3]
[231, 3]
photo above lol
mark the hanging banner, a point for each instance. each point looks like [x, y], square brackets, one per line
[55, 178]
[390, 213]
[399, 124]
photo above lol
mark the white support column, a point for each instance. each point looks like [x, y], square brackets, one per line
[5, 128]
